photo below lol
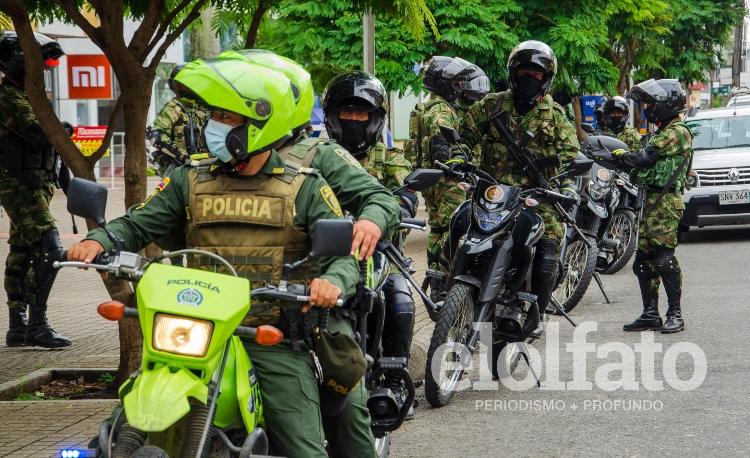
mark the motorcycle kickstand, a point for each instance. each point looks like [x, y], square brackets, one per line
[559, 308]
[523, 350]
[599, 282]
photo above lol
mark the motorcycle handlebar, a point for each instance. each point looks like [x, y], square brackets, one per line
[415, 222]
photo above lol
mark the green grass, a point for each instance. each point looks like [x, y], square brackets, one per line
[106, 378]
[34, 397]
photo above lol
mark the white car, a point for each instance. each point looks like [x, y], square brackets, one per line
[720, 176]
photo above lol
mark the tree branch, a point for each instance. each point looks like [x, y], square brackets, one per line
[192, 16]
[94, 33]
[252, 32]
[164, 27]
[545, 17]
[99, 153]
[148, 26]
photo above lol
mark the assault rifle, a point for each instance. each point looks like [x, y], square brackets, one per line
[523, 158]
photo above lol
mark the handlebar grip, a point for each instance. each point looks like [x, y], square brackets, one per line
[323, 318]
[414, 221]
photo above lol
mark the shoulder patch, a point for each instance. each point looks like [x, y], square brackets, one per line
[344, 154]
[330, 200]
[278, 170]
[306, 170]
[159, 188]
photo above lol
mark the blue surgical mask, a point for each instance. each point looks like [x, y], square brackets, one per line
[216, 139]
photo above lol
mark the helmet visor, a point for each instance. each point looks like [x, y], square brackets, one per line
[455, 67]
[476, 88]
[648, 92]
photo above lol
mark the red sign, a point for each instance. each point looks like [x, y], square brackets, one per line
[89, 77]
[89, 138]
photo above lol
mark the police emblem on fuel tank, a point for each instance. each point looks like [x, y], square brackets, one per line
[190, 296]
[733, 175]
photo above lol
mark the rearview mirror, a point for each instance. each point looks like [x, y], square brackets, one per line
[580, 165]
[332, 237]
[692, 111]
[422, 179]
[449, 134]
[588, 128]
[87, 200]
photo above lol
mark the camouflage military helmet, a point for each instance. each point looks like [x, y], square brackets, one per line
[11, 54]
[614, 106]
[666, 98]
[355, 91]
[263, 96]
[302, 88]
[536, 56]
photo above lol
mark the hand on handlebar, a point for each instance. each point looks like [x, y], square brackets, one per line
[322, 294]
[86, 251]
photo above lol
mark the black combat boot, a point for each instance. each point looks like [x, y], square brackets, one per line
[670, 277]
[674, 321]
[649, 319]
[394, 381]
[17, 327]
[39, 333]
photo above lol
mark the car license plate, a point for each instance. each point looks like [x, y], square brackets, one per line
[734, 197]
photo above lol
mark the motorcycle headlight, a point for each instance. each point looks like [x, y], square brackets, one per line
[181, 335]
[596, 190]
[488, 221]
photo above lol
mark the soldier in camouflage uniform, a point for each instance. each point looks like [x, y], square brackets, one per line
[26, 189]
[355, 107]
[531, 66]
[667, 155]
[172, 126]
[616, 115]
[454, 84]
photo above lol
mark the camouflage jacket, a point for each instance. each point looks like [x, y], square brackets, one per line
[388, 165]
[673, 143]
[426, 124]
[630, 136]
[171, 121]
[553, 134]
[15, 112]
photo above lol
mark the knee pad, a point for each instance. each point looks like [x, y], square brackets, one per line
[545, 262]
[641, 267]
[45, 274]
[664, 261]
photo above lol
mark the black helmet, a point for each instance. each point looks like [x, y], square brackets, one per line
[440, 76]
[172, 74]
[599, 111]
[616, 104]
[355, 91]
[472, 83]
[531, 55]
[11, 54]
[666, 99]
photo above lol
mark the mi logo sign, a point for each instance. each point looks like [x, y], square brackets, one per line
[89, 77]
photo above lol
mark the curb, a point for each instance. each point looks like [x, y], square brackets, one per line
[419, 345]
[41, 377]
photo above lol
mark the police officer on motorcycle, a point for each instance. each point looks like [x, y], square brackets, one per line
[616, 115]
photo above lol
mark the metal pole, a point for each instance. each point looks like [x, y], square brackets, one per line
[112, 162]
[368, 42]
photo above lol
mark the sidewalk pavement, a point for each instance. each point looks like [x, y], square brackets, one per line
[42, 429]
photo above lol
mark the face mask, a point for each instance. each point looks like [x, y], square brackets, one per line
[216, 139]
[528, 86]
[353, 132]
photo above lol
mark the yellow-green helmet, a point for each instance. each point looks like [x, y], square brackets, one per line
[262, 95]
[304, 95]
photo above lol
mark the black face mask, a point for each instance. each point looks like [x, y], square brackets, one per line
[617, 123]
[527, 86]
[353, 133]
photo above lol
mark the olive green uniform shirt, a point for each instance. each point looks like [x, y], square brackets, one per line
[166, 210]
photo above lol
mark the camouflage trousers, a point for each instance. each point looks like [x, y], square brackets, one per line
[441, 200]
[659, 228]
[554, 227]
[28, 211]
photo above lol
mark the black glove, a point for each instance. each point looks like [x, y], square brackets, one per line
[36, 137]
[408, 203]
[440, 149]
[571, 192]
[405, 213]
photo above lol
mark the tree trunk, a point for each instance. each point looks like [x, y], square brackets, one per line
[578, 112]
[252, 32]
[204, 44]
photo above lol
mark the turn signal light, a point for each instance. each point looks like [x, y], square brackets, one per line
[531, 202]
[620, 182]
[268, 335]
[464, 186]
[111, 310]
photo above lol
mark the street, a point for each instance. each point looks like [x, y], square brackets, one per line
[709, 420]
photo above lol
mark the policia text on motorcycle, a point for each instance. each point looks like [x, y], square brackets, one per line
[241, 138]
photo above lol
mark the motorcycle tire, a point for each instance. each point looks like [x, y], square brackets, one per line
[383, 446]
[454, 324]
[628, 218]
[129, 440]
[578, 269]
[149, 451]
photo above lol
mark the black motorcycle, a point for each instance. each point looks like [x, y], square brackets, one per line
[492, 239]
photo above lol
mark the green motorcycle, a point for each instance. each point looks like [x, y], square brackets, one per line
[196, 393]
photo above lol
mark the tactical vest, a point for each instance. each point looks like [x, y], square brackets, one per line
[302, 153]
[34, 166]
[250, 223]
[659, 174]
[418, 145]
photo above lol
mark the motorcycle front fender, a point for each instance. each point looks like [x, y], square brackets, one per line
[159, 398]
[601, 212]
[496, 273]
